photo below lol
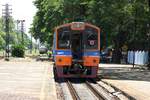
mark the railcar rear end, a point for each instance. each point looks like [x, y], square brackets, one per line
[76, 50]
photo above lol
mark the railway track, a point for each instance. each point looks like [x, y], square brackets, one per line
[100, 91]
[80, 91]
[95, 91]
[73, 92]
[89, 90]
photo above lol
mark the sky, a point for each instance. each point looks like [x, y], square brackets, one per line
[21, 10]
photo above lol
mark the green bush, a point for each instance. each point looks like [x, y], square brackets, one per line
[18, 50]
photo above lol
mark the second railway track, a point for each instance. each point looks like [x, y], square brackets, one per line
[95, 91]
[99, 91]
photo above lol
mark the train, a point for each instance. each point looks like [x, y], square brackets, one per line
[76, 50]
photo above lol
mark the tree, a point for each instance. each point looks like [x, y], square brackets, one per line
[13, 39]
[112, 16]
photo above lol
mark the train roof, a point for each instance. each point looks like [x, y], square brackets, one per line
[85, 24]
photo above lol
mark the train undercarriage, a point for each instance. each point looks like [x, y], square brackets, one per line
[76, 71]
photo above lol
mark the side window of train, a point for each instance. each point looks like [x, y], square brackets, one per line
[64, 39]
[91, 39]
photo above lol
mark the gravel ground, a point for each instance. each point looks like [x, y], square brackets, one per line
[133, 81]
[60, 95]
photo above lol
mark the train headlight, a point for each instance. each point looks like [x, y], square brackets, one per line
[94, 61]
[60, 60]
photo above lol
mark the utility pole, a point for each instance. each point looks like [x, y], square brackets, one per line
[134, 32]
[148, 35]
[134, 35]
[22, 30]
[31, 46]
[17, 22]
[6, 14]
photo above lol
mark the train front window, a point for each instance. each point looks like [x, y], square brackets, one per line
[91, 39]
[64, 39]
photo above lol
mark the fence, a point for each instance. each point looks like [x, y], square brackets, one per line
[138, 57]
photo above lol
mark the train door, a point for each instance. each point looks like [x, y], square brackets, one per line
[76, 46]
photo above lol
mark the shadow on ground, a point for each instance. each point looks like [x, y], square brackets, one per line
[124, 73]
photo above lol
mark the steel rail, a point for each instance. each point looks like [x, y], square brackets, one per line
[73, 91]
[96, 92]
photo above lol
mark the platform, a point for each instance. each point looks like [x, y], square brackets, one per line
[28, 80]
[133, 81]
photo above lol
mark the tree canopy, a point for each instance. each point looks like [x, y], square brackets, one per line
[14, 35]
[127, 17]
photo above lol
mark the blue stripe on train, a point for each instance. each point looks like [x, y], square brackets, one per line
[69, 53]
[63, 52]
[91, 53]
